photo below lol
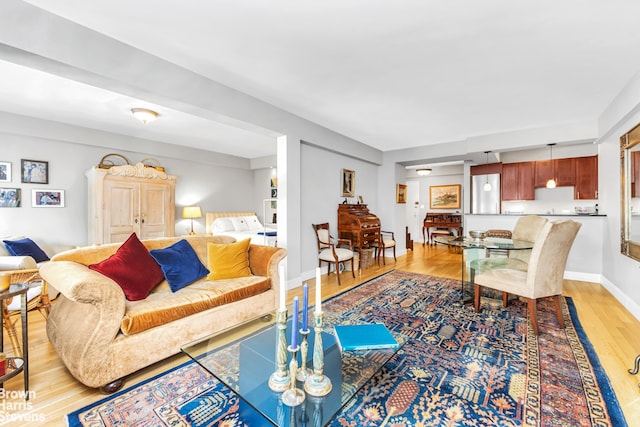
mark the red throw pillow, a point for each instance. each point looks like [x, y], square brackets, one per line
[133, 268]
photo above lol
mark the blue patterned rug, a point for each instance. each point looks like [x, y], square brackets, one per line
[460, 368]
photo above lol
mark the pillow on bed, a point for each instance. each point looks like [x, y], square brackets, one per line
[220, 225]
[253, 223]
[239, 223]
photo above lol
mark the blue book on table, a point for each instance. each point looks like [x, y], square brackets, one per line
[368, 336]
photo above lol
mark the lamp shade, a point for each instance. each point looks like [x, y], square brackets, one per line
[191, 212]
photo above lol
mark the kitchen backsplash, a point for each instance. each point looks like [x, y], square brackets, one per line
[556, 201]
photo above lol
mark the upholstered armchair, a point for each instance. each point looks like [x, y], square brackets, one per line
[544, 274]
[333, 253]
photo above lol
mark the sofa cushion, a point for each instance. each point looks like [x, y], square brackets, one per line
[180, 264]
[162, 306]
[227, 261]
[133, 268]
[26, 247]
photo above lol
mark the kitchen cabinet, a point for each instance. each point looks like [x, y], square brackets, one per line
[130, 199]
[563, 170]
[586, 187]
[517, 181]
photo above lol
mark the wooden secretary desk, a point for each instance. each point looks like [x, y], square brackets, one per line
[357, 224]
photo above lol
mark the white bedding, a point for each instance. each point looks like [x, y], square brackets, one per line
[243, 225]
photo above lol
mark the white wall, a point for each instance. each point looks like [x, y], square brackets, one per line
[214, 188]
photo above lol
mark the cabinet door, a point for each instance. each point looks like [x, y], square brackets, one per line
[509, 181]
[526, 189]
[121, 210]
[544, 171]
[156, 211]
[565, 170]
[586, 178]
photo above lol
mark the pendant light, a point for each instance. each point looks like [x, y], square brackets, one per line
[487, 186]
[552, 181]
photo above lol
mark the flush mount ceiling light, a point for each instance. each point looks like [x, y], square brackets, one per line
[144, 115]
[487, 186]
[423, 171]
[552, 181]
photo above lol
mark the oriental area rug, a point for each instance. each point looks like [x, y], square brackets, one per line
[458, 368]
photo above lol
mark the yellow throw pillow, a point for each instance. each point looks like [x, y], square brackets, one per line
[227, 261]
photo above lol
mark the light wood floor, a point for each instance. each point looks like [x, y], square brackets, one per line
[612, 330]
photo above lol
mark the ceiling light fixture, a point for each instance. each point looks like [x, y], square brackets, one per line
[552, 181]
[144, 115]
[423, 171]
[487, 186]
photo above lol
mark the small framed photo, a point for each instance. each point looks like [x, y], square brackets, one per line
[348, 183]
[35, 171]
[10, 197]
[47, 199]
[401, 193]
[5, 172]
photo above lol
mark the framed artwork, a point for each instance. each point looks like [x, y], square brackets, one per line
[444, 196]
[348, 183]
[35, 171]
[5, 172]
[47, 199]
[10, 197]
[401, 193]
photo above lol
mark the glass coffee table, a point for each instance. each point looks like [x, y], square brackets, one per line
[243, 358]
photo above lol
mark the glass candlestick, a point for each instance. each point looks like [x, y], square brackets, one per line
[318, 384]
[293, 396]
[304, 372]
[280, 379]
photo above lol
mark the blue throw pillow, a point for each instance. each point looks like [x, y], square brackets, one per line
[180, 264]
[26, 247]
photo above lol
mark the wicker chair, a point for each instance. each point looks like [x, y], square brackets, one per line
[37, 298]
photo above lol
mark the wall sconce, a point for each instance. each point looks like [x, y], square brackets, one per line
[191, 212]
[144, 115]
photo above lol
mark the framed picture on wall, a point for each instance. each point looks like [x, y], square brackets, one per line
[348, 183]
[10, 197]
[35, 171]
[5, 171]
[401, 193]
[444, 196]
[47, 199]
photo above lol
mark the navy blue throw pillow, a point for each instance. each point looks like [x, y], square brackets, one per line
[180, 264]
[26, 247]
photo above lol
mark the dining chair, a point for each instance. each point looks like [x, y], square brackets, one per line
[544, 276]
[333, 253]
[387, 241]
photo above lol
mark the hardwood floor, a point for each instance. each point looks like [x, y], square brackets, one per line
[613, 331]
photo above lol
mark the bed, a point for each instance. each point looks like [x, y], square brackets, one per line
[241, 225]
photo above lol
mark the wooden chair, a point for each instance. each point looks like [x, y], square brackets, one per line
[544, 276]
[330, 252]
[387, 241]
[37, 298]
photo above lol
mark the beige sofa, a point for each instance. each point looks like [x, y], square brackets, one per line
[102, 337]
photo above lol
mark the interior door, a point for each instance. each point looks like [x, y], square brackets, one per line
[413, 213]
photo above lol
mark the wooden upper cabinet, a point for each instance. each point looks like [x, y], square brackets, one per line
[486, 169]
[586, 178]
[563, 170]
[517, 181]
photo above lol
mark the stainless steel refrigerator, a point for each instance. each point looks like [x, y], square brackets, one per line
[485, 202]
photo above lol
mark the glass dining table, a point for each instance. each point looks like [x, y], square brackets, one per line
[473, 249]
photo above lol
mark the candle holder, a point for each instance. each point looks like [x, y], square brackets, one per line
[304, 372]
[318, 384]
[293, 396]
[280, 379]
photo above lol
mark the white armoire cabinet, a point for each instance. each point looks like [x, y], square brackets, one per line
[130, 199]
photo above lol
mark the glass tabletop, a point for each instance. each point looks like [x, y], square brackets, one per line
[243, 358]
[486, 243]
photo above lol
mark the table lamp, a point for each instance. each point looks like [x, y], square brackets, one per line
[191, 212]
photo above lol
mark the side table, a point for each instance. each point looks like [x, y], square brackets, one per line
[15, 365]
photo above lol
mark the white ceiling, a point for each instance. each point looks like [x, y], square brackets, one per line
[391, 74]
